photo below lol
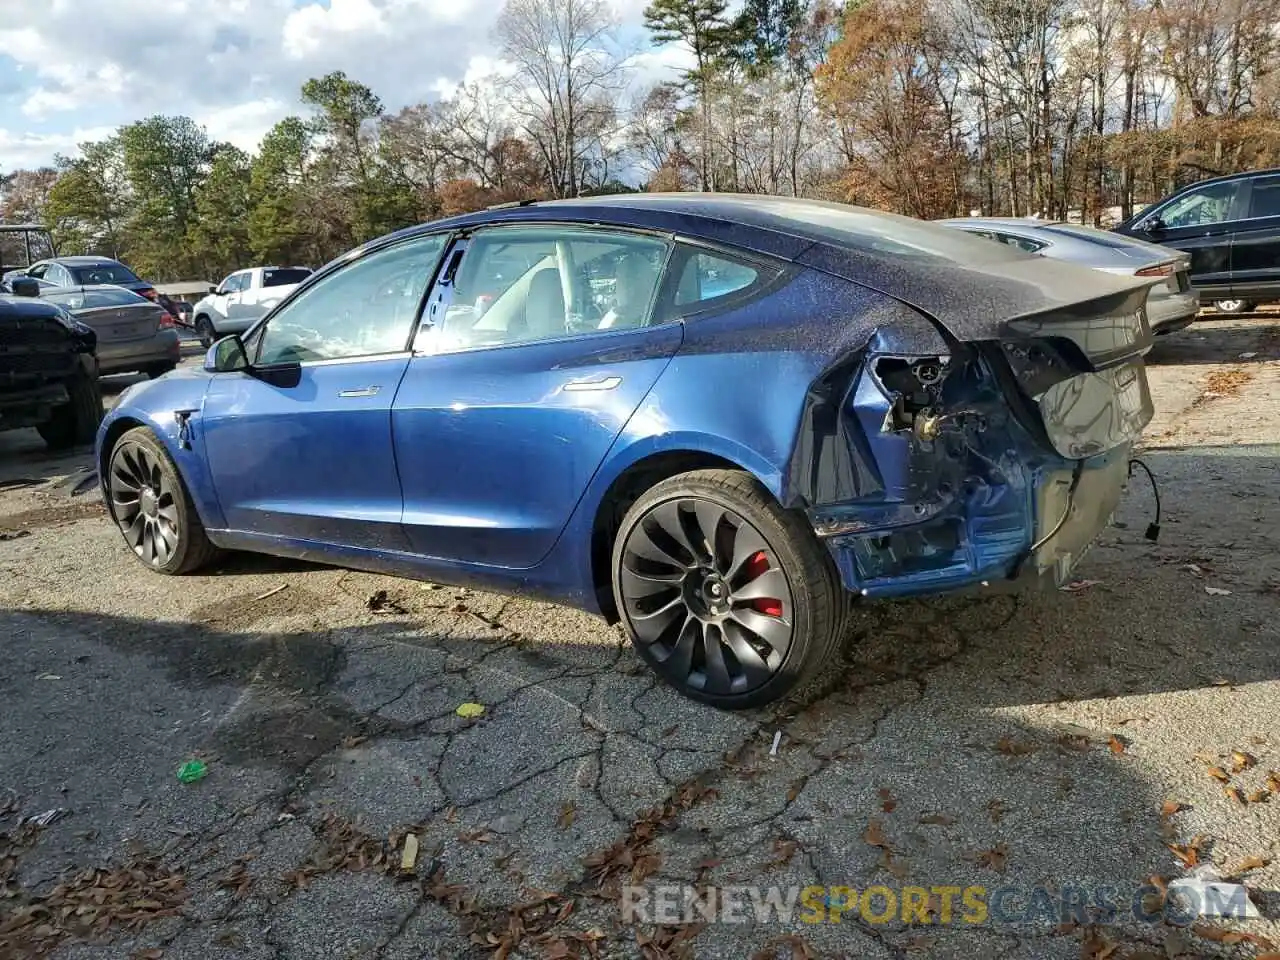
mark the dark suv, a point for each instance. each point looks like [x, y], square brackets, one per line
[1231, 228]
[48, 368]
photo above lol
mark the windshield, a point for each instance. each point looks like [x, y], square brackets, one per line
[103, 273]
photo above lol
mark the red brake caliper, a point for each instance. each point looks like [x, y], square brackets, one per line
[756, 565]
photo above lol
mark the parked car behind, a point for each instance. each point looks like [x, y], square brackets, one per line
[134, 334]
[1230, 226]
[48, 374]
[1171, 303]
[88, 271]
[784, 405]
[242, 298]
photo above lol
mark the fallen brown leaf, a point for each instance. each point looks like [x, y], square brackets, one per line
[1235, 794]
[937, 819]
[1228, 937]
[1116, 744]
[1188, 854]
[995, 858]
[1248, 864]
[874, 834]
[794, 790]
[1170, 807]
[1261, 795]
[887, 802]
[1241, 761]
[1014, 748]
[1219, 774]
[783, 851]
[1273, 781]
[1096, 946]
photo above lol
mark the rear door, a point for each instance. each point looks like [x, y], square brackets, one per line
[1200, 222]
[1255, 246]
[537, 347]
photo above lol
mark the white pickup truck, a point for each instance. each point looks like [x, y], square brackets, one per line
[236, 303]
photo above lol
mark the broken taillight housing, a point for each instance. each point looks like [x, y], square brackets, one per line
[1038, 364]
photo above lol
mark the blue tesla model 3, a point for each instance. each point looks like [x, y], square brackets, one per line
[718, 420]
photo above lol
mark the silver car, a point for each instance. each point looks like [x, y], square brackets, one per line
[134, 334]
[1171, 303]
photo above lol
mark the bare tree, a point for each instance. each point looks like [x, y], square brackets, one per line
[569, 72]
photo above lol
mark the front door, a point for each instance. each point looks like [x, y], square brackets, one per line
[314, 461]
[1200, 222]
[536, 349]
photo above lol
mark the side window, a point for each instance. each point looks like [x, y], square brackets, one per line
[1207, 205]
[231, 284]
[706, 280]
[710, 277]
[1264, 200]
[363, 308]
[523, 284]
[39, 270]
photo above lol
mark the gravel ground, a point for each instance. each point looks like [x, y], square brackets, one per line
[1050, 746]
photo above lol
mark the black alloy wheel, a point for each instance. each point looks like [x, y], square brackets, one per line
[729, 599]
[151, 506]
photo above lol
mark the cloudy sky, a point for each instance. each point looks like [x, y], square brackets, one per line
[74, 70]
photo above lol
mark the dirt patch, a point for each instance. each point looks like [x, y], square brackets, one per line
[39, 517]
[1224, 383]
[244, 610]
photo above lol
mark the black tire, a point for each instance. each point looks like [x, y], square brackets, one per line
[738, 636]
[152, 506]
[75, 423]
[205, 331]
[159, 370]
[1234, 307]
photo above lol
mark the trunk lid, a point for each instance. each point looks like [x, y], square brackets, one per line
[119, 324]
[1005, 294]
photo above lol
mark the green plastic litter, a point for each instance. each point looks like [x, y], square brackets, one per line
[192, 770]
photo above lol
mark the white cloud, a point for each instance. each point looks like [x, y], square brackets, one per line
[237, 66]
[18, 149]
[244, 124]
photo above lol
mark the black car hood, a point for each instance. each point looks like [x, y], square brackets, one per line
[26, 308]
[984, 300]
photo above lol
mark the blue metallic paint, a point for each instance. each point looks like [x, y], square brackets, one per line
[478, 468]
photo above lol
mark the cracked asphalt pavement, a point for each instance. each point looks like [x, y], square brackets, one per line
[1125, 730]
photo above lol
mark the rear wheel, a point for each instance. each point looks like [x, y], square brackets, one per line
[75, 423]
[729, 598]
[1233, 306]
[151, 505]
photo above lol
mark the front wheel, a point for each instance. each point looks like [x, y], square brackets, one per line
[151, 505]
[1233, 306]
[75, 423]
[729, 598]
